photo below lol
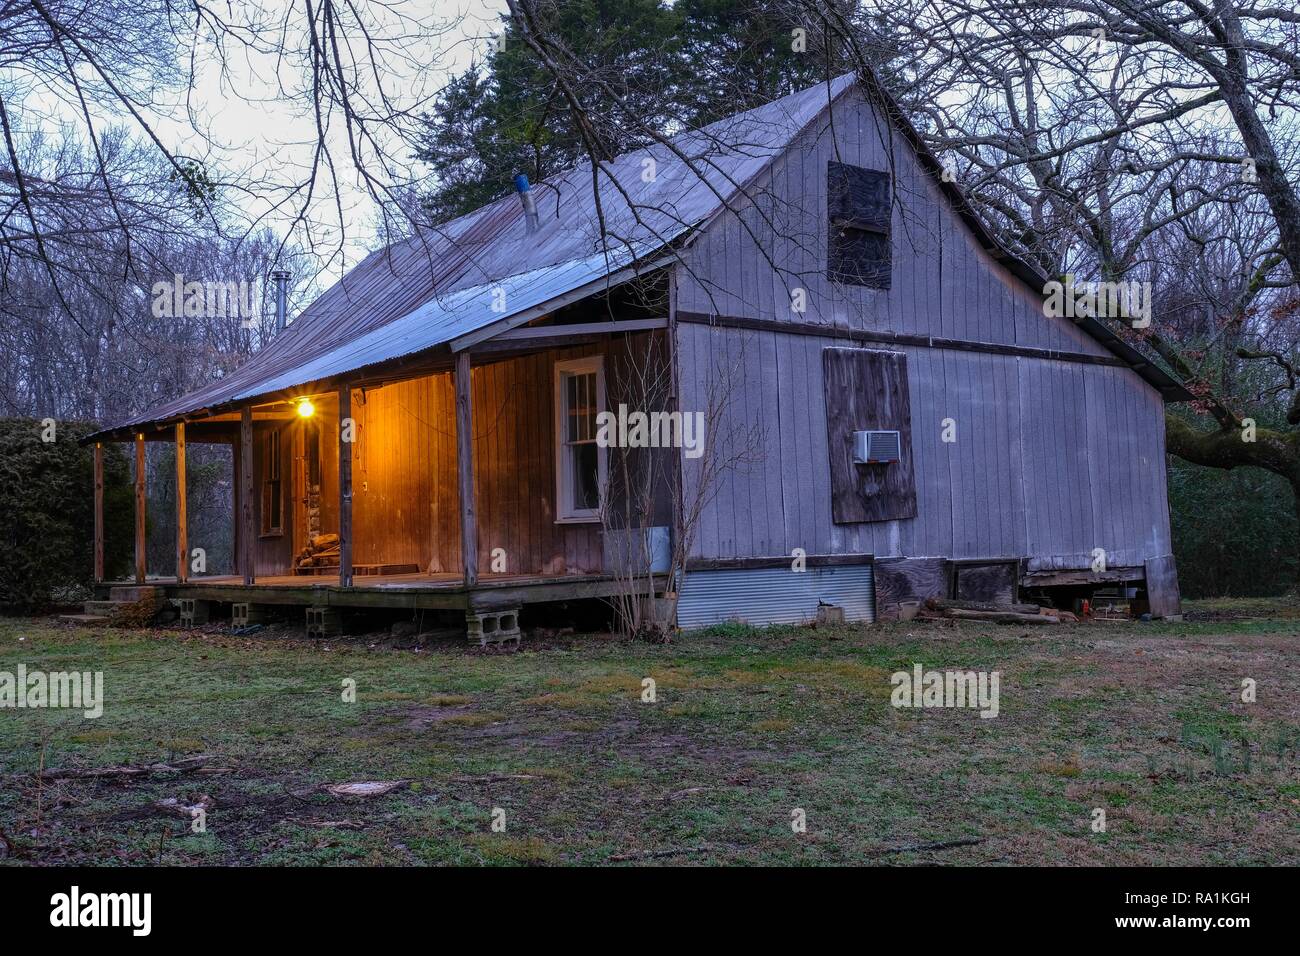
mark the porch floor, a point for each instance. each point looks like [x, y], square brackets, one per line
[428, 591]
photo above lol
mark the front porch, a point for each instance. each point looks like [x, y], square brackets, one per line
[462, 483]
[390, 591]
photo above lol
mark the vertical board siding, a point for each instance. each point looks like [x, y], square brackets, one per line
[943, 284]
[405, 500]
[1034, 439]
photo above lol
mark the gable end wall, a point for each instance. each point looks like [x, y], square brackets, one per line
[1052, 458]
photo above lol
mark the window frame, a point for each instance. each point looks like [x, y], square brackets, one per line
[272, 480]
[565, 512]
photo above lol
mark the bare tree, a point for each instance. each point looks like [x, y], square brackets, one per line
[663, 484]
[1153, 142]
[359, 71]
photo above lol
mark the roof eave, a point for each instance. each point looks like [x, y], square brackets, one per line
[396, 369]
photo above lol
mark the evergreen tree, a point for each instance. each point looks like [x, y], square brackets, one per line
[668, 68]
[507, 115]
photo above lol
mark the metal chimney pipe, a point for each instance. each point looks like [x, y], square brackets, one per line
[281, 279]
[526, 198]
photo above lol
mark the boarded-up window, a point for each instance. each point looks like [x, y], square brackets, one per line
[866, 390]
[859, 204]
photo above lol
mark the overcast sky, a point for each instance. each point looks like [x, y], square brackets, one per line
[268, 138]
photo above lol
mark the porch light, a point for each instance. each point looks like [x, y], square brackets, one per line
[306, 409]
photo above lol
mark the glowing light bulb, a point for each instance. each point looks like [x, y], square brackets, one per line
[306, 409]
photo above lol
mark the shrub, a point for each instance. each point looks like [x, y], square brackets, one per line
[1234, 531]
[47, 518]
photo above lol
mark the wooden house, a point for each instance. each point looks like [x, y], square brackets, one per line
[914, 424]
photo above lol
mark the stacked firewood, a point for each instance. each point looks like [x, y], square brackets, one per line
[322, 551]
[936, 608]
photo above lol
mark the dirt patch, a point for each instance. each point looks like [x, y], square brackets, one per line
[425, 716]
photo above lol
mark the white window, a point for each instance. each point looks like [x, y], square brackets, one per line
[579, 461]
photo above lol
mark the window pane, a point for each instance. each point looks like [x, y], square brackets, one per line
[275, 523]
[586, 476]
[273, 454]
[589, 419]
[580, 407]
[570, 404]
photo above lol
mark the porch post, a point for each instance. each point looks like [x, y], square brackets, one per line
[345, 487]
[247, 538]
[465, 469]
[236, 512]
[99, 512]
[139, 509]
[182, 515]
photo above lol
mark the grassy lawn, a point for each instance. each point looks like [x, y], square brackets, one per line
[1144, 721]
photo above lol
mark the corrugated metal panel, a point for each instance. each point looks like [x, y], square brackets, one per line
[446, 318]
[775, 595]
[648, 198]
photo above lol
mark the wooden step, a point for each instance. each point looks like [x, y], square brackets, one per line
[88, 620]
[133, 592]
[103, 607]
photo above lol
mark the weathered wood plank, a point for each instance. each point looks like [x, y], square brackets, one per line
[1071, 577]
[236, 507]
[784, 561]
[99, 512]
[1002, 617]
[987, 583]
[867, 390]
[942, 604]
[247, 532]
[908, 579]
[1162, 588]
[140, 543]
[346, 436]
[465, 469]
[877, 337]
[182, 514]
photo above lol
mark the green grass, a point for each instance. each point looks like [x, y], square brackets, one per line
[1142, 720]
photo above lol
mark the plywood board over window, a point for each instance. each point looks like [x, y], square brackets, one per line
[866, 390]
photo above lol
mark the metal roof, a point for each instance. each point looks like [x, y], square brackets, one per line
[447, 317]
[487, 267]
[439, 285]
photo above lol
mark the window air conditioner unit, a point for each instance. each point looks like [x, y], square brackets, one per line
[876, 448]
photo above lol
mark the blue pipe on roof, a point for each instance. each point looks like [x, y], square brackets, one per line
[526, 198]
